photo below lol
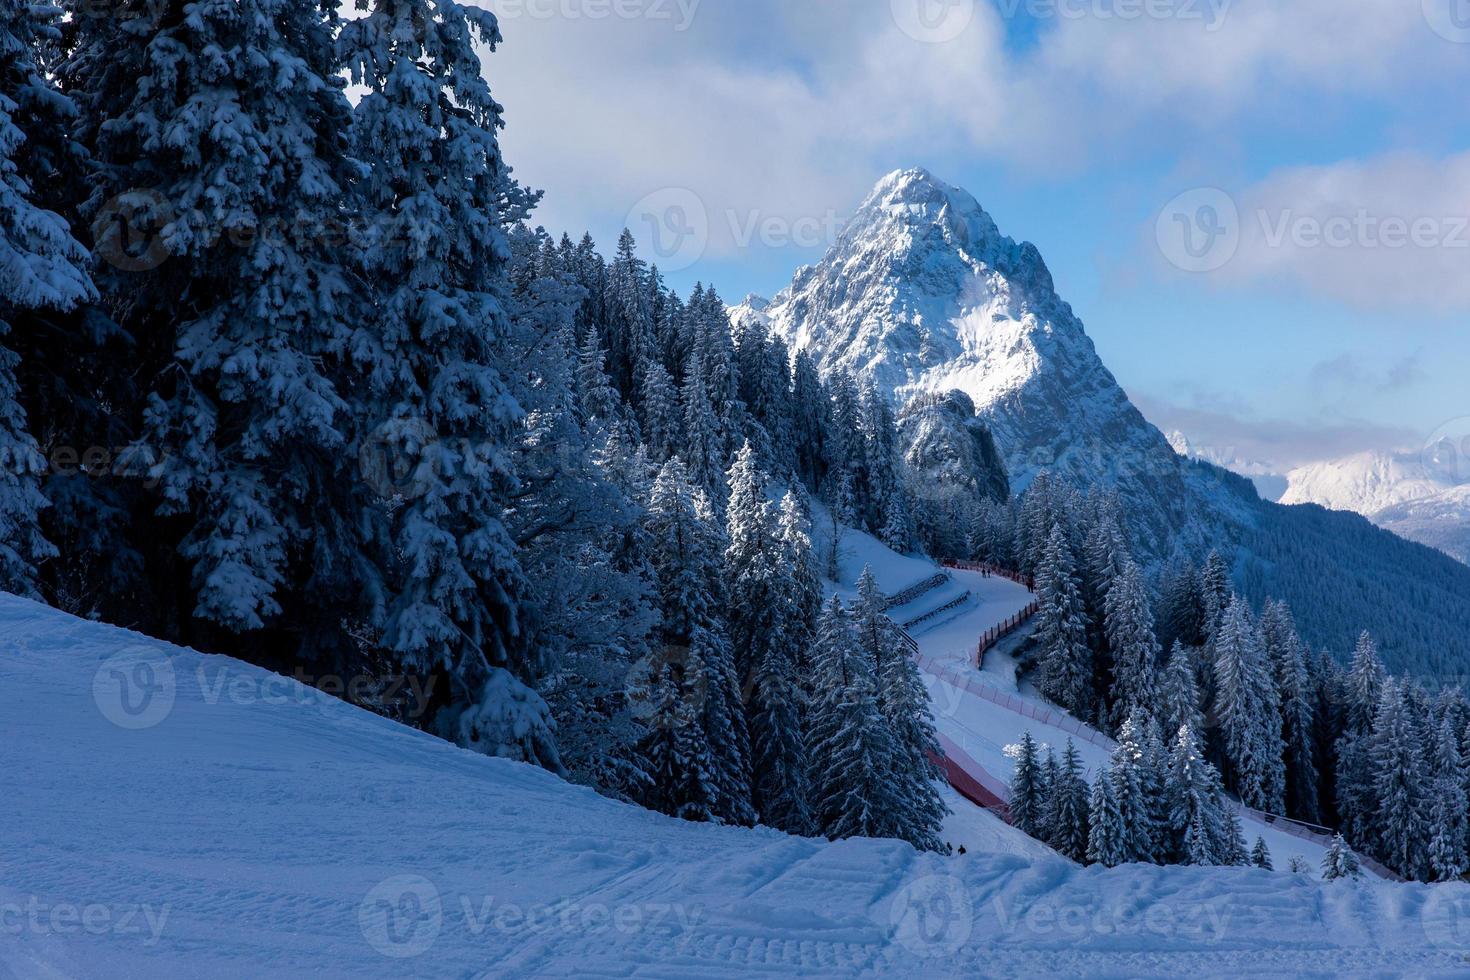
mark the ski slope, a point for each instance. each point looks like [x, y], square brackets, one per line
[170, 814]
[981, 712]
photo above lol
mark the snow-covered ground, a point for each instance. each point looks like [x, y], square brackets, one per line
[171, 814]
[979, 725]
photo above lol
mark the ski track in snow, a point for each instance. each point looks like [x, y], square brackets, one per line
[260, 835]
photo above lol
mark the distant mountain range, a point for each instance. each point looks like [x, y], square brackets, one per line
[922, 293]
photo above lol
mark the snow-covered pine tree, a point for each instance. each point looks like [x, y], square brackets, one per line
[1051, 779]
[1154, 770]
[661, 423]
[849, 758]
[1027, 797]
[1247, 710]
[1216, 593]
[1284, 650]
[1401, 830]
[1181, 605]
[1261, 855]
[808, 413]
[762, 390]
[601, 407]
[242, 312]
[919, 811]
[629, 319]
[1179, 705]
[1235, 851]
[433, 255]
[1068, 804]
[716, 348]
[1340, 861]
[1132, 644]
[1132, 786]
[684, 547]
[702, 448]
[765, 628]
[888, 513]
[669, 696]
[42, 269]
[1365, 686]
[1107, 834]
[794, 528]
[1101, 562]
[843, 447]
[1196, 808]
[1065, 663]
[1449, 813]
[588, 610]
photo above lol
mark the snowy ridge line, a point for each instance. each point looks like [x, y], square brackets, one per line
[914, 591]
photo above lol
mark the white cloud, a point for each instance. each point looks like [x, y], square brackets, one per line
[1386, 233]
[769, 108]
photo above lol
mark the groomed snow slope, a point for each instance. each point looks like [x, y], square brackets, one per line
[965, 701]
[169, 814]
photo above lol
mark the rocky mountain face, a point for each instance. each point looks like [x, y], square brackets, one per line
[921, 293]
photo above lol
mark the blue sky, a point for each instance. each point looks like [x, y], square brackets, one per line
[1317, 152]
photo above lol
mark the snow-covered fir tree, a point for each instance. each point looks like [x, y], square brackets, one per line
[684, 548]
[1181, 605]
[245, 315]
[1107, 833]
[1401, 828]
[1340, 861]
[1061, 629]
[42, 268]
[850, 747]
[432, 206]
[1028, 798]
[1261, 855]
[1068, 804]
[1216, 593]
[1196, 805]
[1132, 645]
[1284, 650]
[1449, 815]
[766, 630]
[1247, 710]
[1178, 693]
[1135, 781]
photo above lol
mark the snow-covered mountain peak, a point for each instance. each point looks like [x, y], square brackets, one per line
[923, 293]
